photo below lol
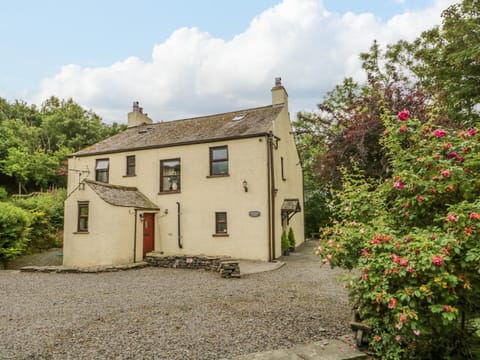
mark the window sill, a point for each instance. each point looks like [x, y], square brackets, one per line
[129, 175]
[81, 233]
[169, 192]
[217, 176]
[220, 235]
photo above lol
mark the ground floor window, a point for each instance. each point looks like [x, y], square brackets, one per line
[82, 216]
[220, 223]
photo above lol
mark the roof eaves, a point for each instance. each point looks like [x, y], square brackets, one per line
[227, 138]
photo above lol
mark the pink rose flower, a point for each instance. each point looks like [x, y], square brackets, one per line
[399, 185]
[416, 332]
[403, 115]
[439, 133]
[420, 198]
[445, 173]
[452, 217]
[437, 260]
[472, 132]
[403, 318]
[392, 304]
[452, 155]
[447, 308]
[474, 216]
[403, 128]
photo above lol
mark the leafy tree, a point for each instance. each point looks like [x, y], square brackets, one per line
[34, 142]
[67, 124]
[446, 60]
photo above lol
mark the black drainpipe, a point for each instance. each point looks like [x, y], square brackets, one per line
[135, 238]
[268, 201]
[178, 226]
[271, 192]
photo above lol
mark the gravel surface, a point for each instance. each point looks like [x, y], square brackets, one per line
[156, 313]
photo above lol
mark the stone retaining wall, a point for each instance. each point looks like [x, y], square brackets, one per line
[226, 266]
[185, 261]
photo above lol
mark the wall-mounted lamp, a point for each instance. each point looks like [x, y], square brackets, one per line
[165, 211]
[81, 186]
[140, 217]
[245, 185]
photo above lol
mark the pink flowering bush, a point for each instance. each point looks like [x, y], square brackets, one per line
[415, 243]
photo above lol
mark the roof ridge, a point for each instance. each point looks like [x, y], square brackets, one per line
[112, 186]
[210, 115]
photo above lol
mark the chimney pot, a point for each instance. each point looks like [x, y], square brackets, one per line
[278, 81]
[135, 106]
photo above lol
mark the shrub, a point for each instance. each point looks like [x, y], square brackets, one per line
[291, 238]
[285, 242]
[14, 226]
[415, 241]
[47, 219]
[3, 194]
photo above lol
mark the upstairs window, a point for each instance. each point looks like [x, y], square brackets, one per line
[220, 223]
[101, 170]
[130, 165]
[82, 225]
[219, 160]
[170, 175]
[283, 169]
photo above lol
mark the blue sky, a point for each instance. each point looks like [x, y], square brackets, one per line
[120, 51]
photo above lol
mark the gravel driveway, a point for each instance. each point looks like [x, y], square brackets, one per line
[156, 313]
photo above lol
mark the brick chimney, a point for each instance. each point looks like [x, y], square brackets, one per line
[136, 117]
[279, 94]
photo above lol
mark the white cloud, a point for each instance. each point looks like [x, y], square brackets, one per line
[192, 73]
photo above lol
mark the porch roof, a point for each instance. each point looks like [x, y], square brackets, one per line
[125, 196]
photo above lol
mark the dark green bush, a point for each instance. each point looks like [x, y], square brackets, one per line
[285, 242]
[47, 219]
[14, 228]
[3, 194]
[291, 238]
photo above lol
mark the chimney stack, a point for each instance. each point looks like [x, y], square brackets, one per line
[279, 94]
[136, 117]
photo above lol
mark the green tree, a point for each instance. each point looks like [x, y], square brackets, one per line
[34, 143]
[446, 60]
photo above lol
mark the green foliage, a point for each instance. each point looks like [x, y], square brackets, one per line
[34, 143]
[3, 194]
[285, 242]
[446, 59]
[291, 238]
[46, 218]
[415, 241]
[14, 227]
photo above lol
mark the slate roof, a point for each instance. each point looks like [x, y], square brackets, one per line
[225, 126]
[121, 195]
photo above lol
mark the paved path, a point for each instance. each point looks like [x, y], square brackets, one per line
[320, 350]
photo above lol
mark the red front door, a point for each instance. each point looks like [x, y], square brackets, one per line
[148, 232]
